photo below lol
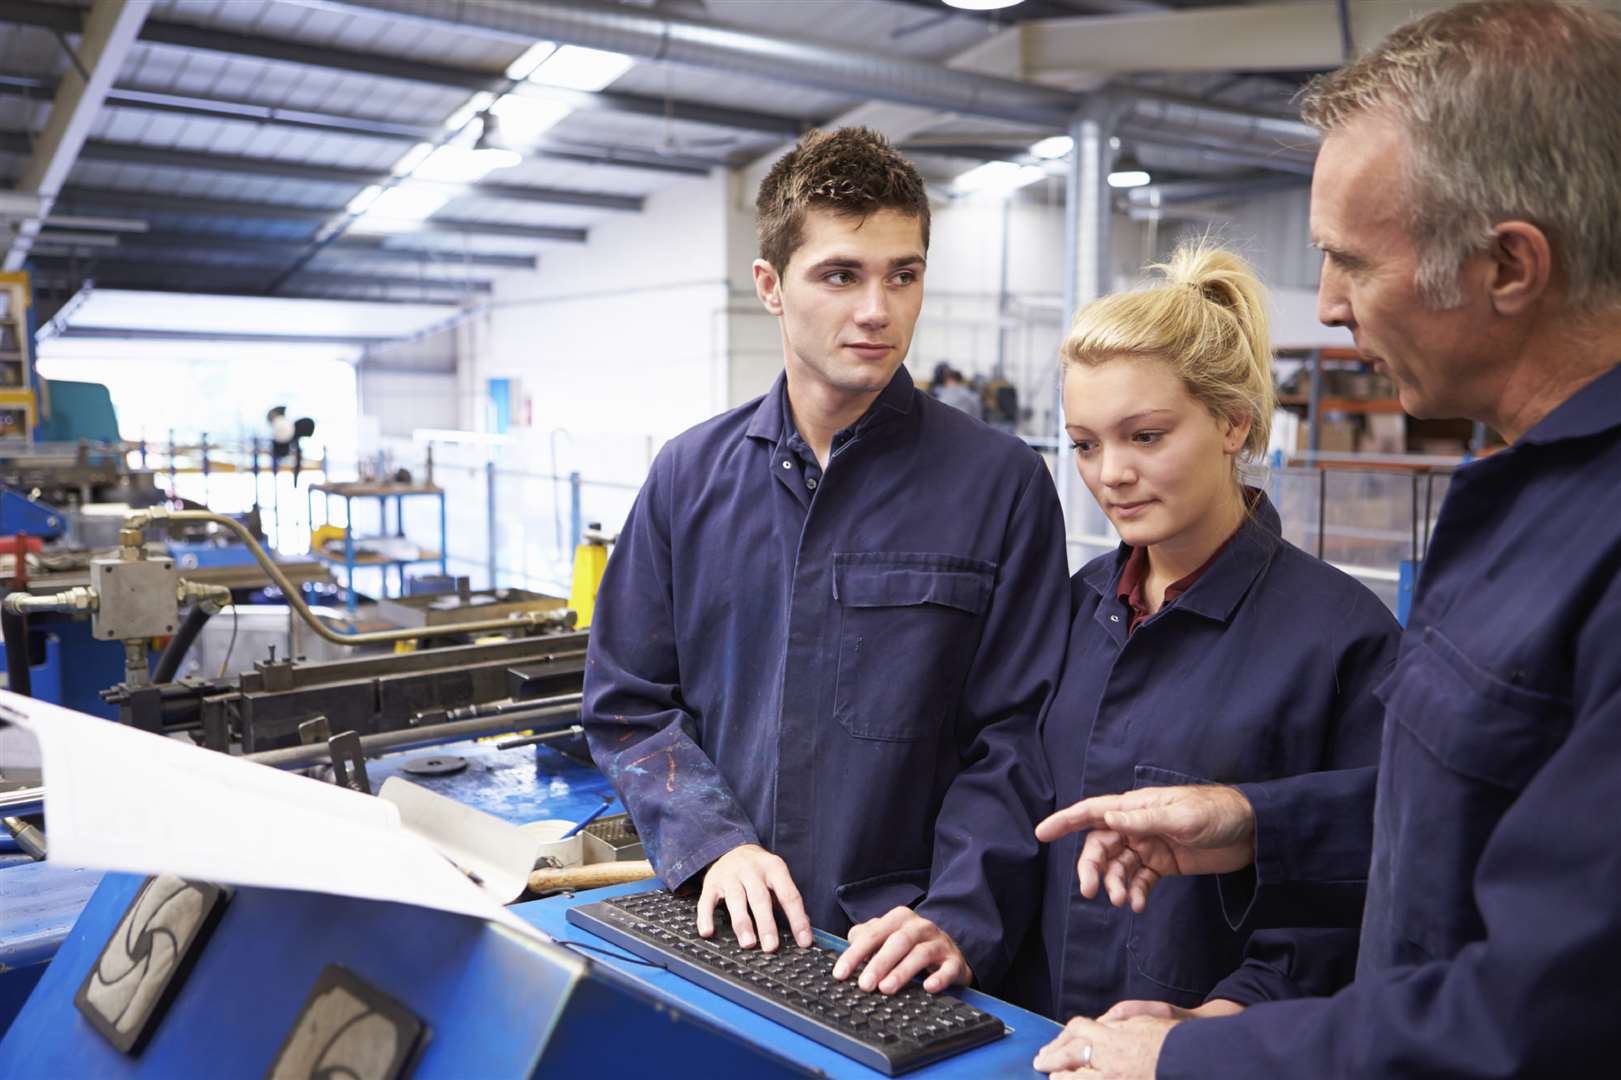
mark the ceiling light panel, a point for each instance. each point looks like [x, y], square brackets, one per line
[579, 68]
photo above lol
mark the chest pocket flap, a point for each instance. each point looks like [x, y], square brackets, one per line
[909, 625]
[1461, 743]
[870, 585]
[1474, 723]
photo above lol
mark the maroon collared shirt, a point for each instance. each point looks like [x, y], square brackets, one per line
[1135, 576]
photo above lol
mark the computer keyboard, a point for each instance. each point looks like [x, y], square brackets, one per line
[792, 986]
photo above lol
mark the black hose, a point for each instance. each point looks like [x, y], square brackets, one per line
[179, 645]
[14, 629]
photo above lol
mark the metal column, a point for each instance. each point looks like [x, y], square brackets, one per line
[1086, 239]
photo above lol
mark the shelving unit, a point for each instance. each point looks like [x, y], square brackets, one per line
[1419, 438]
[353, 560]
[17, 404]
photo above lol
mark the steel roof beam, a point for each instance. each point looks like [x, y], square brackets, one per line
[146, 334]
[106, 270]
[228, 108]
[58, 280]
[139, 202]
[108, 35]
[137, 154]
[349, 247]
[129, 153]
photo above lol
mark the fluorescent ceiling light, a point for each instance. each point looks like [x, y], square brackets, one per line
[526, 119]
[982, 5]
[532, 57]
[1128, 172]
[579, 68]
[1053, 147]
[362, 202]
[470, 108]
[1129, 178]
[402, 208]
[998, 177]
[413, 157]
[463, 164]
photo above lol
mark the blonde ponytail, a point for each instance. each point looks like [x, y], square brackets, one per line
[1207, 320]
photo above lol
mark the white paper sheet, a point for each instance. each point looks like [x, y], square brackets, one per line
[117, 798]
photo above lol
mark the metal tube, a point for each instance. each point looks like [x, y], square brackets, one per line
[545, 737]
[657, 36]
[23, 802]
[545, 709]
[79, 599]
[491, 525]
[295, 598]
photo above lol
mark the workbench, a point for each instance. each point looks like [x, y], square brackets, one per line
[496, 1006]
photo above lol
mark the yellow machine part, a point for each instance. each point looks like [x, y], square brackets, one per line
[321, 536]
[590, 560]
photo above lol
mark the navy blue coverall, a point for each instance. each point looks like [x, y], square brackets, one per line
[1261, 673]
[846, 668]
[1491, 941]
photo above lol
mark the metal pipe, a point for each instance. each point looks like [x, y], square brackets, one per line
[656, 36]
[23, 802]
[28, 837]
[1230, 128]
[545, 709]
[81, 599]
[295, 599]
[27, 802]
[536, 740]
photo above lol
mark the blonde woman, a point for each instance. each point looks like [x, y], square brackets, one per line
[1205, 649]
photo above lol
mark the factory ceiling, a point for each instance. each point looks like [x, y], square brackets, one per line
[341, 148]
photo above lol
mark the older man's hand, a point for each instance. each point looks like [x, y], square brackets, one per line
[1091, 1050]
[1137, 838]
[1164, 1010]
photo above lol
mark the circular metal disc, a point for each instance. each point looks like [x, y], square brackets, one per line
[435, 765]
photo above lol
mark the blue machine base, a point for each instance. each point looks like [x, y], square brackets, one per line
[495, 1004]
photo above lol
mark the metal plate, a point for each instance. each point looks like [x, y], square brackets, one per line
[435, 765]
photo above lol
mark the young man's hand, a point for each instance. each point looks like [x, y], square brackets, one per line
[746, 878]
[902, 944]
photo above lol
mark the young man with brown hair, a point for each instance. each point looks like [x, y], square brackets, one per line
[834, 613]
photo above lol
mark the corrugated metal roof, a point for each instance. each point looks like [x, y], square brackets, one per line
[232, 79]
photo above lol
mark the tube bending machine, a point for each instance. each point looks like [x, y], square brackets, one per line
[167, 977]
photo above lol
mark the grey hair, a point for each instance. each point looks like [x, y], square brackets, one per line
[1510, 108]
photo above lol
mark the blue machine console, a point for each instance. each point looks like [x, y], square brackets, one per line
[448, 996]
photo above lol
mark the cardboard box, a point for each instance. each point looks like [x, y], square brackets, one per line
[1386, 434]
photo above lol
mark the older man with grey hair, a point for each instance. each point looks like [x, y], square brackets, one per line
[1467, 200]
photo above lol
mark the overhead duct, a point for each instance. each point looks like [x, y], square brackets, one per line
[653, 36]
[1278, 142]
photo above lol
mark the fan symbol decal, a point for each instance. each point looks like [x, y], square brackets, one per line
[342, 1036]
[144, 961]
[349, 1030]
